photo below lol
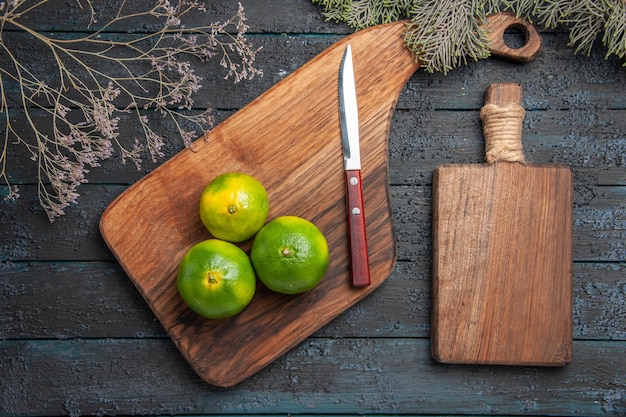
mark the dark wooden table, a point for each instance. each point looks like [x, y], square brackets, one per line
[77, 338]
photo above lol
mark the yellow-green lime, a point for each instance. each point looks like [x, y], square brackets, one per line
[216, 279]
[234, 206]
[290, 255]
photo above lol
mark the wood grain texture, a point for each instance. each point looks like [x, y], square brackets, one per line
[77, 338]
[289, 139]
[359, 258]
[600, 219]
[321, 377]
[97, 300]
[499, 23]
[502, 260]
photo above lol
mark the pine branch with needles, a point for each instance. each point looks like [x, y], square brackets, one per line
[445, 34]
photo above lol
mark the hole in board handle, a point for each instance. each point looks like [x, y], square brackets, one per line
[516, 36]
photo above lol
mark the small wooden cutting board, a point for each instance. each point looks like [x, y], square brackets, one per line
[502, 256]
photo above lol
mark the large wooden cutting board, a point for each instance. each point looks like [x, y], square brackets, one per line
[289, 139]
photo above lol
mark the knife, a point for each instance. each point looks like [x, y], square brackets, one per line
[349, 120]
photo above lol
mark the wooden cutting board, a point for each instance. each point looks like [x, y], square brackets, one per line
[289, 139]
[502, 252]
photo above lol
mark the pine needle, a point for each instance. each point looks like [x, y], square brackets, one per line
[446, 33]
[615, 32]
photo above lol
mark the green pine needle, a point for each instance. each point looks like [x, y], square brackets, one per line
[615, 32]
[446, 33]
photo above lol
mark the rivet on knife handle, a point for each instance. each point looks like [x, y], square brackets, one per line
[359, 260]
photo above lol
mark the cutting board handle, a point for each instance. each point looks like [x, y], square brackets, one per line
[498, 24]
[502, 117]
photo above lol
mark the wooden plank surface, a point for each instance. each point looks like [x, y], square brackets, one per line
[105, 353]
[97, 300]
[598, 225]
[319, 377]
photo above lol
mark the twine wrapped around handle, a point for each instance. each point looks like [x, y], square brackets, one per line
[502, 117]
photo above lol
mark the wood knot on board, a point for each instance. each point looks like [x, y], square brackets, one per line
[502, 129]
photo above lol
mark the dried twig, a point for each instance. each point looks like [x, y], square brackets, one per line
[98, 77]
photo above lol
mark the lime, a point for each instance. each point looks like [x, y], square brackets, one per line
[216, 279]
[290, 255]
[234, 206]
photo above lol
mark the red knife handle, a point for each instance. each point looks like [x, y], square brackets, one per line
[359, 260]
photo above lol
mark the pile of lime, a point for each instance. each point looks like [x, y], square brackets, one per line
[289, 254]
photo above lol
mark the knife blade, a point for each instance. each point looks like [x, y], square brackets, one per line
[349, 120]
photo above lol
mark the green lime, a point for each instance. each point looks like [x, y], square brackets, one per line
[216, 279]
[234, 206]
[290, 255]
